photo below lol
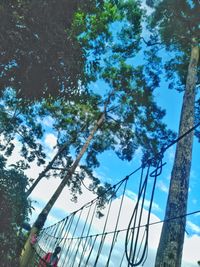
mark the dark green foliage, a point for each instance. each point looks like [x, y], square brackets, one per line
[20, 125]
[177, 40]
[128, 37]
[44, 46]
[13, 211]
[38, 55]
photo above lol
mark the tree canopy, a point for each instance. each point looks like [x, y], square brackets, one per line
[13, 212]
[54, 52]
[179, 39]
[40, 52]
[50, 48]
[106, 52]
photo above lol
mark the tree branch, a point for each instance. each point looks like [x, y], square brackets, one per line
[149, 43]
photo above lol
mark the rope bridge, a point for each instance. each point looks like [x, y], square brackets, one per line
[87, 239]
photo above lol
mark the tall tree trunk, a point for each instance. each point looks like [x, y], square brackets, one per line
[169, 253]
[28, 251]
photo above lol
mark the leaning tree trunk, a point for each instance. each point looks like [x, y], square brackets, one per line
[169, 253]
[28, 250]
[45, 171]
[48, 167]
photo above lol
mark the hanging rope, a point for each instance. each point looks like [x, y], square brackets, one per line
[83, 245]
[39, 252]
[135, 253]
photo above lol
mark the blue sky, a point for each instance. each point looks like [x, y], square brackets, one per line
[112, 170]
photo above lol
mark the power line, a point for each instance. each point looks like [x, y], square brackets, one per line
[132, 228]
[94, 237]
[74, 231]
[136, 170]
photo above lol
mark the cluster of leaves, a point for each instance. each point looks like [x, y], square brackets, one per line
[38, 55]
[51, 48]
[177, 40]
[137, 119]
[102, 191]
[45, 45]
[13, 212]
[20, 127]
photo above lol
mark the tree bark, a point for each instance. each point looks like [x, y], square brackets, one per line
[72, 169]
[28, 251]
[169, 253]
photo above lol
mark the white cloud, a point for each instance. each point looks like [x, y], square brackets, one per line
[147, 8]
[162, 186]
[191, 251]
[133, 196]
[34, 171]
[43, 192]
[155, 206]
[50, 140]
[195, 228]
[98, 225]
[64, 206]
[47, 121]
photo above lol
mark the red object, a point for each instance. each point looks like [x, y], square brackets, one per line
[47, 259]
[33, 239]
